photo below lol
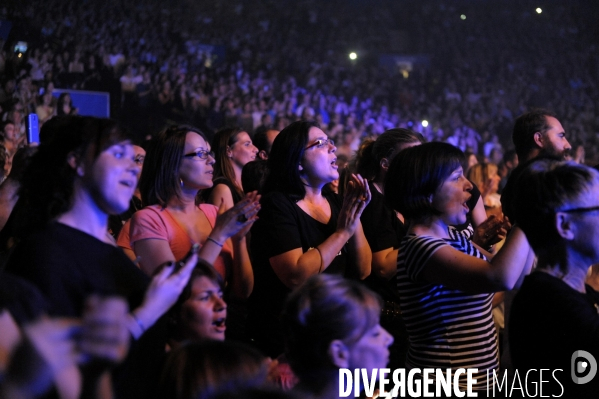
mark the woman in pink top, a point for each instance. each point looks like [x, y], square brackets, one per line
[177, 166]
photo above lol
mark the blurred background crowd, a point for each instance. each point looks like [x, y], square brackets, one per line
[267, 63]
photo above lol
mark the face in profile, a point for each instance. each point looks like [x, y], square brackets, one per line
[554, 140]
[372, 350]
[319, 163]
[451, 197]
[112, 177]
[203, 315]
[196, 168]
[243, 151]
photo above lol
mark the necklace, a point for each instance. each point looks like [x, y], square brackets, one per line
[378, 187]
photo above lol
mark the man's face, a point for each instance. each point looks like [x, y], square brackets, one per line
[554, 141]
[9, 131]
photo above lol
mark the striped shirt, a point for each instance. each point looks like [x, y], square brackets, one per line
[447, 328]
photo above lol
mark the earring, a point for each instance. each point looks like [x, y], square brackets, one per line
[181, 182]
[80, 171]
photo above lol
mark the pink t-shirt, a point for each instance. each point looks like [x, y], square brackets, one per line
[153, 222]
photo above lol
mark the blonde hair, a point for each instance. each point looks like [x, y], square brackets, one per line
[480, 174]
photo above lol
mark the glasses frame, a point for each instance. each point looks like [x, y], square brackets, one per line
[321, 142]
[202, 154]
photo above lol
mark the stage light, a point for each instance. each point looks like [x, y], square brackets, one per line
[463, 17]
[539, 10]
[353, 56]
[424, 123]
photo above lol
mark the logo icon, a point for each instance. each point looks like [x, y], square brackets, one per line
[578, 366]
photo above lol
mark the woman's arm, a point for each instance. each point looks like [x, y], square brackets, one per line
[457, 270]
[294, 267]
[221, 193]
[384, 263]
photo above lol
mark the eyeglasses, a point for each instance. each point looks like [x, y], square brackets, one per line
[202, 154]
[320, 143]
[572, 210]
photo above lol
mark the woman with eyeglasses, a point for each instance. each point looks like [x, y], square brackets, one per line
[233, 148]
[555, 316]
[178, 164]
[301, 231]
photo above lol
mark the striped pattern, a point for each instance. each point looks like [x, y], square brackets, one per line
[447, 328]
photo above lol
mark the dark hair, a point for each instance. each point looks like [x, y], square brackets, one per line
[525, 128]
[47, 185]
[284, 159]
[159, 181]
[222, 140]
[543, 187]
[260, 139]
[253, 175]
[416, 173]
[509, 156]
[60, 103]
[202, 269]
[3, 126]
[20, 162]
[200, 370]
[323, 309]
[368, 158]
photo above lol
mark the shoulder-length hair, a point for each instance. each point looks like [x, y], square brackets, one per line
[48, 182]
[284, 160]
[323, 309]
[415, 175]
[159, 181]
[222, 141]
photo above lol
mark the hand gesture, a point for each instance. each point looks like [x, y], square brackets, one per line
[238, 220]
[164, 290]
[491, 231]
[357, 196]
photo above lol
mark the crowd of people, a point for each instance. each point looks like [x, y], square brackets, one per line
[160, 63]
[262, 211]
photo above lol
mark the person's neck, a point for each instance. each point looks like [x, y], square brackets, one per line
[185, 202]
[313, 195]
[237, 170]
[85, 215]
[430, 226]
[572, 270]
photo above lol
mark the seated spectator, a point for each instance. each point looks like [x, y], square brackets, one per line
[301, 231]
[332, 323]
[557, 210]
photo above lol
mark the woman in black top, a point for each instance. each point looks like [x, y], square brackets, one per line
[301, 232]
[233, 148]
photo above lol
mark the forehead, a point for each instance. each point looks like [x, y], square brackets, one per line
[242, 137]
[203, 283]
[554, 125]
[315, 133]
[194, 140]
[138, 150]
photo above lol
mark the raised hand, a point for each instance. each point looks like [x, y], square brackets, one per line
[357, 196]
[238, 220]
[491, 231]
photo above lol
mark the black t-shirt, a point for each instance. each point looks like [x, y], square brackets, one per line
[24, 302]
[381, 226]
[507, 195]
[205, 194]
[281, 227]
[549, 321]
[383, 230]
[67, 265]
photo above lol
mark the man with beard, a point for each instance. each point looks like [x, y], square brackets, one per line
[536, 134]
